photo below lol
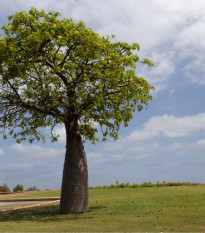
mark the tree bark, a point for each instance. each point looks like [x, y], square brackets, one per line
[74, 190]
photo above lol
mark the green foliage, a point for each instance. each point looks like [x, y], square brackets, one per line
[18, 188]
[32, 189]
[5, 189]
[54, 71]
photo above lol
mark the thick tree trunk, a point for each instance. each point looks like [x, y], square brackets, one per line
[74, 190]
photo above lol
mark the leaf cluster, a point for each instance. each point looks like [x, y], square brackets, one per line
[54, 71]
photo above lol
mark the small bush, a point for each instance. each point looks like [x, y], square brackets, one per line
[5, 188]
[18, 188]
[121, 185]
[145, 184]
[134, 185]
[32, 189]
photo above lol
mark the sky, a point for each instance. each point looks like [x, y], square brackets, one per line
[166, 141]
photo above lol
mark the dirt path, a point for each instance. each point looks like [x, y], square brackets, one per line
[5, 206]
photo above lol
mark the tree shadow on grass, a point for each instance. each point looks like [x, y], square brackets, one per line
[44, 214]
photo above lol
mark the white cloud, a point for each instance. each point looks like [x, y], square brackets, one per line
[115, 155]
[201, 142]
[169, 126]
[195, 70]
[190, 45]
[145, 148]
[191, 37]
[36, 151]
[195, 147]
[167, 32]
[166, 125]
[162, 70]
[145, 22]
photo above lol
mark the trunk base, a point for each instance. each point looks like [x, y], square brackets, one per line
[74, 191]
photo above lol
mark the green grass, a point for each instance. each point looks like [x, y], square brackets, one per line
[162, 209]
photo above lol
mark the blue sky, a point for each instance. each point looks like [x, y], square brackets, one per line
[165, 142]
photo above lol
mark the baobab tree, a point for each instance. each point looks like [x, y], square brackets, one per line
[54, 71]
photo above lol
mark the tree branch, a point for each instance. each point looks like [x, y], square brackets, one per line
[53, 67]
[66, 56]
[43, 44]
[52, 112]
[13, 88]
[56, 54]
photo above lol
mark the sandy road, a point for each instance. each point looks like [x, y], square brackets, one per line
[3, 196]
[12, 204]
[5, 206]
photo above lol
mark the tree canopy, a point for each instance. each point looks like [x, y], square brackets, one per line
[53, 70]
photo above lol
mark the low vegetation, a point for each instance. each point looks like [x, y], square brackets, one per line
[145, 209]
[18, 188]
[145, 184]
[33, 188]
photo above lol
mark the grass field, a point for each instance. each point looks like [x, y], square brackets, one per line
[162, 209]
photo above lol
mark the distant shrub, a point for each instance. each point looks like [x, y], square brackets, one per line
[112, 186]
[18, 188]
[32, 189]
[134, 186]
[145, 185]
[5, 188]
[173, 184]
[194, 184]
[121, 185]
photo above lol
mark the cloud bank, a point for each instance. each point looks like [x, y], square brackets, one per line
[169, 126]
